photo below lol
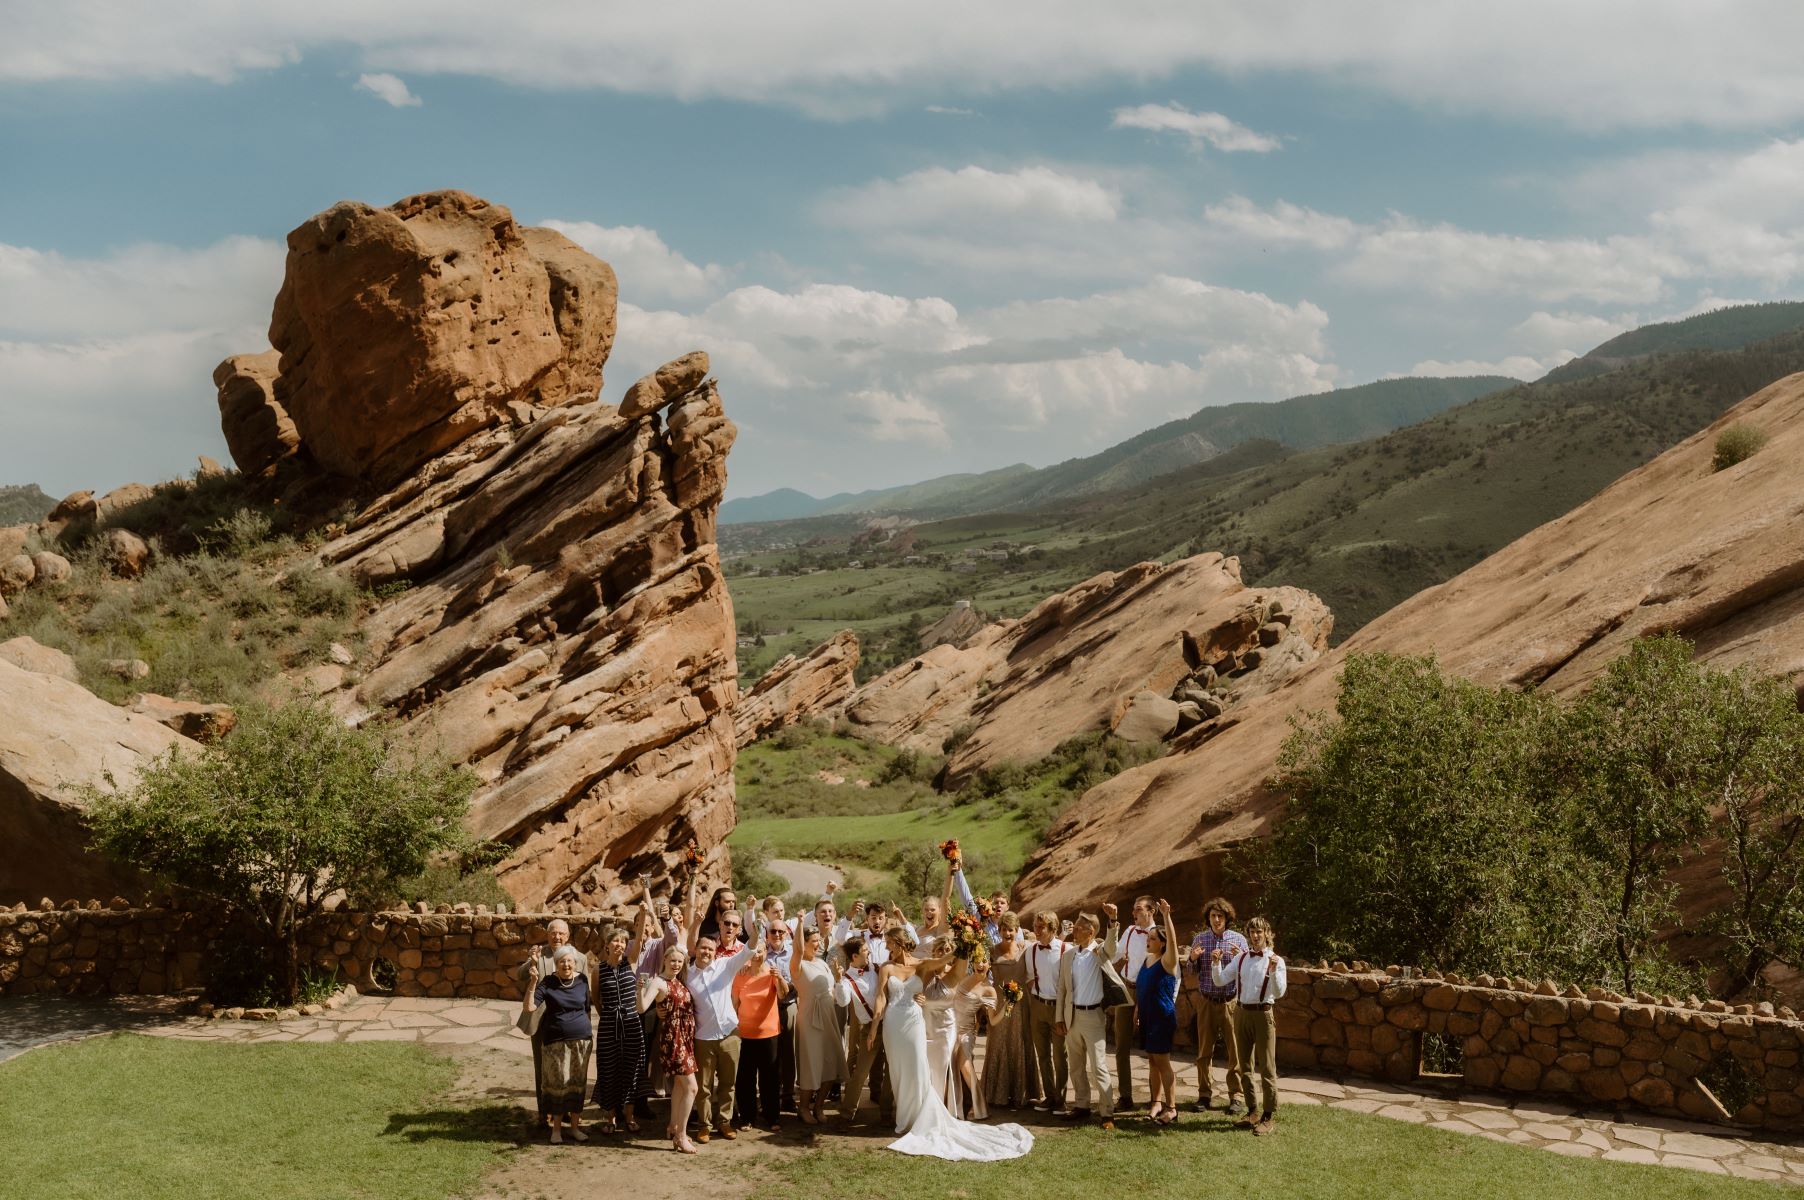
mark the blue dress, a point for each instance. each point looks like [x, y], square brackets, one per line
[1156, 991]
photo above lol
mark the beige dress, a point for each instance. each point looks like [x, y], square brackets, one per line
[966, 1002]
[1009, 1077]
[820, 1046]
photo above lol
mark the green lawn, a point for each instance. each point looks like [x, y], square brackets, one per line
[1319, 1153]
[127, 1116]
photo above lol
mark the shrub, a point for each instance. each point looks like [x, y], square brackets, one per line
[752, 875]
[1737, 443]
[289, 808]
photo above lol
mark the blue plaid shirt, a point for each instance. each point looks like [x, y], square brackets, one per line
[1230, 943]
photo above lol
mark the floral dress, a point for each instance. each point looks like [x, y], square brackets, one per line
[676, 1030]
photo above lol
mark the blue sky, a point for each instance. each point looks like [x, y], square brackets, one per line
[920, 239]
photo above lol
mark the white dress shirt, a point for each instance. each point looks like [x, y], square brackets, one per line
[1133, 952]
[1249, 973]
[1043, 968]
[712, 988]
[860, 987]
[1086, 974]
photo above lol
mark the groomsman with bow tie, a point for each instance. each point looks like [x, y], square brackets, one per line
[1128, 963]
[1086, 973]
[1043, 956]
[1259, 978]
[864, 1057]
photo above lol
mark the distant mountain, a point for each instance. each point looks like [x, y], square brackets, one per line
[23, 503]
[1301, 422]
[1719, 329]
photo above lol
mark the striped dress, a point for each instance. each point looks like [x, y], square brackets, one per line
[619, 1037]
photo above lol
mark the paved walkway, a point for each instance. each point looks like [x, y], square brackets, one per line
[1558, 1128]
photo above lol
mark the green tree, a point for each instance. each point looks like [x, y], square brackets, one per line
[291, 807]
[1420, 828]
[1642, 756]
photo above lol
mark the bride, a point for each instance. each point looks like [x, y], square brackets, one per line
[926, 1126]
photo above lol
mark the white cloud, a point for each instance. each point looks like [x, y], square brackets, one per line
[1447, 261]
[1280, 224]
[389, 89]
[1202, 128]
[1668, 62]
[1168, 308]
[647, 268]
[945, 110]
[123, 343]
[1570, 333]
[936, 195]
[1516, 366]
[901, 418]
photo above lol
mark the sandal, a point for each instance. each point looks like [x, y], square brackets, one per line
[1157, 1112]
[632, 1126]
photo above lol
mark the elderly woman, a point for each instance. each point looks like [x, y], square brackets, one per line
[563, 1033]
[820, 1047]
[619, 1036]
[557, 934]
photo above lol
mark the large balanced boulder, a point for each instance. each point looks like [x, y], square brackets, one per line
[815, 685]
[55, 736]
[1672, 545]
[258, 430]
[404, 330]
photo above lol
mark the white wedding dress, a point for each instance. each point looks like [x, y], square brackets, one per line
[926, 1126]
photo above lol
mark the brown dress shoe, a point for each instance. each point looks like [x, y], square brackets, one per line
[1246, 1122]
[1264, 1126]
[701, 1136]
[1108, 1124]
[726, 1131]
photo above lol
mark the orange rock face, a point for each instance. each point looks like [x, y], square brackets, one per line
[1075, 663]
[404, 330]
[1672, 545]
[818, 684]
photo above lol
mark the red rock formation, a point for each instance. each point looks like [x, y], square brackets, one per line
[1670, 546]
[1075, 663]
[818, 684]
[258, 430]
[404, 330]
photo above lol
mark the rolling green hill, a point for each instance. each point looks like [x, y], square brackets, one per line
[23, 503]
[1719, 329]
[1364, 525]
[1342, 415]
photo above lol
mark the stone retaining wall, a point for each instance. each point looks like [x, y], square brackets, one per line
[94, 949]
[1599, 1047]
[1510, 1035]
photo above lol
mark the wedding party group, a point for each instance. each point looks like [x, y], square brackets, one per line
[741, 1014]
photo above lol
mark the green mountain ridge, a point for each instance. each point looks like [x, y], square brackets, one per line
[1316, 419]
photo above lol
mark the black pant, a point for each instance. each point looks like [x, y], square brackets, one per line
[786, 1055]
[755, 1096]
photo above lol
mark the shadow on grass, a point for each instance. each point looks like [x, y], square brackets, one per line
[500, 1124]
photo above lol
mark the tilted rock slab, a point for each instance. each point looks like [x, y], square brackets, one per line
[55, 736]
[567, 633]
[1074, 664]
[1715, 556]
[817, 684]
[404, 330]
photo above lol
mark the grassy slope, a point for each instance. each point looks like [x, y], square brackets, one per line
[154, 1118]
[1321, 1153]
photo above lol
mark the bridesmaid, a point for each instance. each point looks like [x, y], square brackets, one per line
[1009, 1078]
[973, 992]
[619, 1035]
[676, 1040]
[820, 1048]
[1156, 1013]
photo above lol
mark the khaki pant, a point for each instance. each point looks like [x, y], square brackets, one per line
[1124, 1052]
[1215, 1023]
[867, 1066]
[1257, 1032]
[1049, 1052]
[1086, 1046]
[716, 1073]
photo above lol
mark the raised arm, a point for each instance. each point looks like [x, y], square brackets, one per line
[946, 895]
[928, 966]
[964, 889]
[1171, 937]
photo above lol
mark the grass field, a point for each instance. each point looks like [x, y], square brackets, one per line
[161, 1119]
[1320, 1153]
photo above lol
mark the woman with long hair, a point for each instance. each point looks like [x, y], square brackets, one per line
[1156, 1013]
[971, 994]
[676, 1040]
[820, 1047]
[926, 1126]
[1009, 1078]
[619, 1035]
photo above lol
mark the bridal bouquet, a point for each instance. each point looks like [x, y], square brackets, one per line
[950, 849]
[690, 862]
[1011, 996]
[968, 940]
